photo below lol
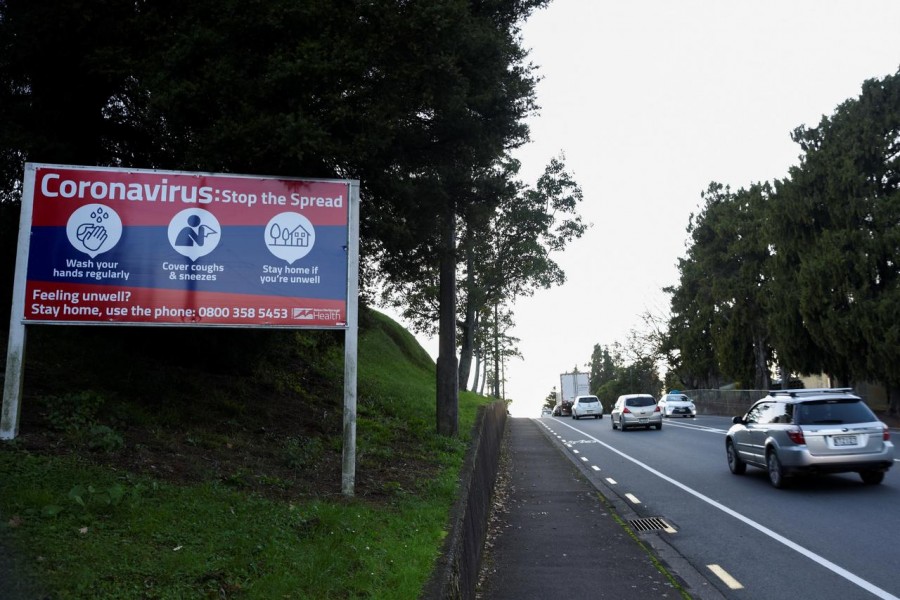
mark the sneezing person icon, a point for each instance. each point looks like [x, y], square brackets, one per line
[194, 232]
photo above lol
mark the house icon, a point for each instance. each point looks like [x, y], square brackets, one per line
[298, 237]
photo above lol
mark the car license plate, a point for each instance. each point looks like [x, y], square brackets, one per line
[642, 420]
[844, 440]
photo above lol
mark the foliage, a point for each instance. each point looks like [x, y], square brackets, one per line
[102, 438]
[206, 540]
[835, 237]
[550, 400]
[613, 375]
[141, 521]
[604, 365]
[74, 411]
[718, 320]
[804, 270]
[509, 255]
[508, 241]
[414, 99]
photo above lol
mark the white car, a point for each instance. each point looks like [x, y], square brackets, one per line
[676, 404]
[587, 406]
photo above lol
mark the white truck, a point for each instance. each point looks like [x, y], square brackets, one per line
[570, 385]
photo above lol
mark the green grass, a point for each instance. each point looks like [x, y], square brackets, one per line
[165, 541]
[86, 526]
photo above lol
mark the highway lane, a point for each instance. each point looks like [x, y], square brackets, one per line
[825, 537]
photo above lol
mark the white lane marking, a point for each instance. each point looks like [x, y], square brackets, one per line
[633, 498]
[584, 458]
[836, 569]
[726, 578]
[595, 467]
[611, 481]
[573, 451]
[696, 427]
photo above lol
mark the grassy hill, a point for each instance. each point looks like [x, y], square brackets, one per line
[175, 463]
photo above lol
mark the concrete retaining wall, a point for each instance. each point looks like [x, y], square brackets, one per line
[456, 573]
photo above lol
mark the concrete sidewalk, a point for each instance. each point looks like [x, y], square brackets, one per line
[557, 537]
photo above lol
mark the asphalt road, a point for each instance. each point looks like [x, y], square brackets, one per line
[829, 537]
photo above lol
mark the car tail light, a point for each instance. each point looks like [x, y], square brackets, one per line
[656, 409]
[796, 435]
[625, 410]
[886, 436]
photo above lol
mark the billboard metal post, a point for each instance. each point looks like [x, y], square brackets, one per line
[15, 354]
[351, 340]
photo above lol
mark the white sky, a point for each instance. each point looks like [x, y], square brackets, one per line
[651, 100]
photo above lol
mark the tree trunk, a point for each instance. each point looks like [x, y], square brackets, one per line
[762, 379]
[496, 385]
[447, 367]
[477, 369]
[469, 325]
[893, 399]
[484, 371]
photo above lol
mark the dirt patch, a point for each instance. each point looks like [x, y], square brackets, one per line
[258, 411]
[285, 452]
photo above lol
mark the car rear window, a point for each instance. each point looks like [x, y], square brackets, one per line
[640, 401]
[589, 401]
[833, 412]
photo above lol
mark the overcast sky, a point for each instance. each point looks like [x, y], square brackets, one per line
[650, 101]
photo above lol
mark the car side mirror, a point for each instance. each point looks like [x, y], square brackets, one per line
[738, 420]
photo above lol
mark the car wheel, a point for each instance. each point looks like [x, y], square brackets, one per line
[599, 416]
[612, 423]
[659, 427]
[735, 464]
[776, 471]
[872, 477]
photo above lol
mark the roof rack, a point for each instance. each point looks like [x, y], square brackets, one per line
[793, 393]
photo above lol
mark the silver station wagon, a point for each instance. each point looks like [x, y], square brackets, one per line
[810, 431]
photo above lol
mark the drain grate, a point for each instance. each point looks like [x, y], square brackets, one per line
[652, 524]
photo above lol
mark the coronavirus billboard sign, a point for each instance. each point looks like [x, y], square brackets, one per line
[177, 248]
[107, 246]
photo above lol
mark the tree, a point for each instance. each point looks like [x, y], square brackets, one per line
[476, 114]
[628, 368]
[836, 238]
[617, 376]
[688, 347]
[509, 255]
[410, 98]
[604, 365]
[550, 400]
[722, 290]
[506, 247]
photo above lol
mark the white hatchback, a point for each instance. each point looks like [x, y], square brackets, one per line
[635, 410]
[587, 406]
